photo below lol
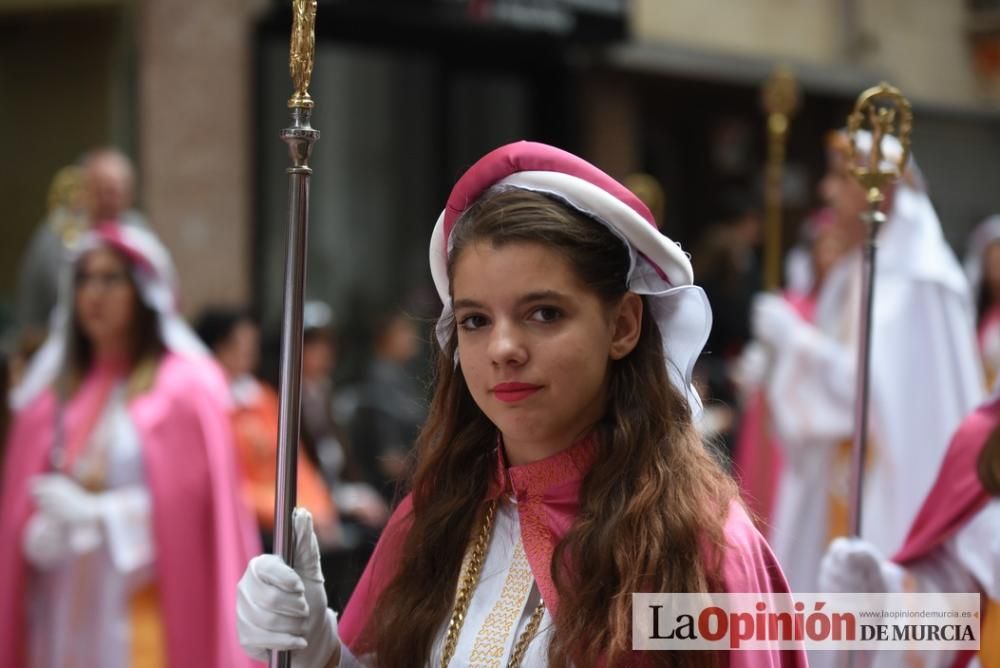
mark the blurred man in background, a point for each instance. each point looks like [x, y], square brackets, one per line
[100, 189]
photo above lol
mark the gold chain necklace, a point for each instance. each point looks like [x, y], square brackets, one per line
[463, 597]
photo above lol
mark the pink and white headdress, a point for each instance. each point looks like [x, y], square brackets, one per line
[658, 268]
[154, 275]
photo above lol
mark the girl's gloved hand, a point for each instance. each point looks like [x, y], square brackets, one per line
[278, 608]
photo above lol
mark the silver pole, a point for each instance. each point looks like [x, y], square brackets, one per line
[873, 218]
[888, 112]
[300, 138]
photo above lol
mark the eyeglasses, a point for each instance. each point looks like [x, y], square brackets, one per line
[105, 280]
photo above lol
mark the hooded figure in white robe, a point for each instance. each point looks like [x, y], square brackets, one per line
[925, 373]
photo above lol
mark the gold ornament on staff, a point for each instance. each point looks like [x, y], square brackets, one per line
[888, 113]
[780, 96]
[302, 52]
[66, 204]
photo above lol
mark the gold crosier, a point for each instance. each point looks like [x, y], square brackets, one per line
[888, 114]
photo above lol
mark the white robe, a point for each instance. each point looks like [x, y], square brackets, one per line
[79, 611]
[925, 377]
[501, 606]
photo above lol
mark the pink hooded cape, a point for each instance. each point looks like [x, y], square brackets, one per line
[957, 494]
[547, 495]
[204, 536]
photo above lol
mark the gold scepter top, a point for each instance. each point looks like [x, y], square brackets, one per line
[888, 114]
[780, 97]
[302, 52]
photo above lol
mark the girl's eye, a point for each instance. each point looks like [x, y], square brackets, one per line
[546, 314]
[472, 322]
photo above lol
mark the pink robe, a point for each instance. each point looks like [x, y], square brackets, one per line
[203, 534]
[957, 494]
[547, 495]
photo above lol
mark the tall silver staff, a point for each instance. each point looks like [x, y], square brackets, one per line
[887, 113]
[300, 138]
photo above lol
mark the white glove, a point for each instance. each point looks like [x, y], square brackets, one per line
[773, 320]
[45, 542]
[62, 499]
[852, 565]
[278, 608]
[751, 368]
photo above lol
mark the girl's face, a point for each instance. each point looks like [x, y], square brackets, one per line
[535, 344]
[105, 300]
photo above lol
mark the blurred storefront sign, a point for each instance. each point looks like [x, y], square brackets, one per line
[589, 20]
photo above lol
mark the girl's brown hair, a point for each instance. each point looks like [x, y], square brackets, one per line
[652, 508]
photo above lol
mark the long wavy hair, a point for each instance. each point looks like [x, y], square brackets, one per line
[652, 508]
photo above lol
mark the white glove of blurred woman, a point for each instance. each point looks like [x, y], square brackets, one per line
[118, 519]
[773, 321]
[750, 369]
[278, 608]
[63, 500]
[852, 565]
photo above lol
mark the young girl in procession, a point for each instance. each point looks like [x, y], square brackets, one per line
[559, 470]
[122, 528]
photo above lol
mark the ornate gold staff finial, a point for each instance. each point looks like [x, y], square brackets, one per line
[780, 98]
[302, 52]
[888, 113]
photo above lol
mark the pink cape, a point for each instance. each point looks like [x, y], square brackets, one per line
[547, 494]
[204, 535]
[956, 496]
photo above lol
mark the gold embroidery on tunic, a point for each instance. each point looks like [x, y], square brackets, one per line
[491, 641]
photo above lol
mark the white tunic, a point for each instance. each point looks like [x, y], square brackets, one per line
[79, 610]
[500, 609]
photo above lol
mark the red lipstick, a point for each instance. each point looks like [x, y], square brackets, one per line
[511, 392]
